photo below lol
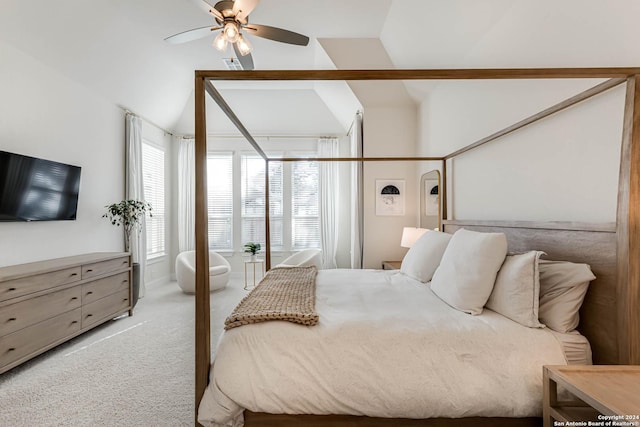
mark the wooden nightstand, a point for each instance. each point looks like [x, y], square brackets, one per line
[391, 265]
[603, 393]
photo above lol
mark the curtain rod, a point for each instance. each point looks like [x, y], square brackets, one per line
[126, 110]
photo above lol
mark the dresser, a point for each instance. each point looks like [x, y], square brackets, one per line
[45, 303]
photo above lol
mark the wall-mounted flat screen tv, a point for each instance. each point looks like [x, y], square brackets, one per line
[33, 189]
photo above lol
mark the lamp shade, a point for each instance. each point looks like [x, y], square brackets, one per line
[410, 235]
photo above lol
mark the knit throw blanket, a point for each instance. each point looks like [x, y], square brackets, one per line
[284, 294]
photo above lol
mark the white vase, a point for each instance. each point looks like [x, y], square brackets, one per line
[253, 258]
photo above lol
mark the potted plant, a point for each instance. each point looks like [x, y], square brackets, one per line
[252, 248]
[129, 214]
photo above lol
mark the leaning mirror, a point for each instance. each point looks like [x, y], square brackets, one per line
[430, 200]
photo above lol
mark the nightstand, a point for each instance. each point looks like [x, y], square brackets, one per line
[253, 262]
[391, 265]
[603, 393]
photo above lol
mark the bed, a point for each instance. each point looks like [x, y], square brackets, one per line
[610, 318]
[386, 346]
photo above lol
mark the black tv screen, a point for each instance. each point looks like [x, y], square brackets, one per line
[33, 189]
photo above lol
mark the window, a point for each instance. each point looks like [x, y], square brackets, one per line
[253, 201]
[220, 200]
[305, 222]
[153, 181]
[293, 202]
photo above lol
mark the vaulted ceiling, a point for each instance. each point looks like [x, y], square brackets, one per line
[116, 47]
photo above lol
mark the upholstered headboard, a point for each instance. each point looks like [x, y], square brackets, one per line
[592, 244]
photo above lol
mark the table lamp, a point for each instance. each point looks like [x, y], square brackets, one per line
[410, 235]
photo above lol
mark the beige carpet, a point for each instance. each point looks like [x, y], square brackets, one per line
[134, 371]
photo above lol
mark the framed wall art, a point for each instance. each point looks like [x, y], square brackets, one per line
[390, 197]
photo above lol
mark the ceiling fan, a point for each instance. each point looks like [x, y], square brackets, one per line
[232, 17]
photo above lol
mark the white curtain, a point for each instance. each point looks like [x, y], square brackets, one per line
[186, 195]
[328, 171]
[357, 201]
[135, 190]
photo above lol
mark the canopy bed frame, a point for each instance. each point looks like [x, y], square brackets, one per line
[610, 316]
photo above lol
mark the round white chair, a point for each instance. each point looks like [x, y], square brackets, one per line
[304, 258]
[219, 271]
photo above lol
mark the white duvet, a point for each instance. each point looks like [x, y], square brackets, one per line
[385, 346]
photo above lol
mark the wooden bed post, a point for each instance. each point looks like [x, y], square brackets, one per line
[628, 229]
[202, 320]
[267, 226]
[443, 191]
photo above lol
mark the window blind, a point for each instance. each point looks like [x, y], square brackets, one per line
[305, 231]
[253, 201]
[220, 200]
[153, 182]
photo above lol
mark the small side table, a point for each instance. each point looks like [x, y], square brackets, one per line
[253, 263]
[391, 265]
[602, 392]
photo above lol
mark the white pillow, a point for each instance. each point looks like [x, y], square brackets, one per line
[563, 286]
[468, 269]
[424, 256]
[516, 292]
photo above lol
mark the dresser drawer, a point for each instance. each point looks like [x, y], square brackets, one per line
[27, 285]
[101, 288]
[26, 313]
[105, 308]
[103, 267]
[29, 340]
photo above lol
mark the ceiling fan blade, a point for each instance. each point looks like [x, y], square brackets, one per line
[246, 61]
[189, 35]
[207, 8]
[242, 9]
[277, 34]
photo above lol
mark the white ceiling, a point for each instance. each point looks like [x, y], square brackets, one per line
[116, 47]
[256, 108]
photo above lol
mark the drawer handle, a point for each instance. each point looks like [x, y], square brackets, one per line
[125, 262]
[74, 298]
[74, 274]
[124, 281]
[75, 321]
[89, 315]
[13, 319]
[89, 293]
[126, 299]
[12, 289]
[12, 349]
[89, 270]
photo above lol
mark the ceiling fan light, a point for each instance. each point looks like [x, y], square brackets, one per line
[244, 47]
[231, 32]
[220, 43]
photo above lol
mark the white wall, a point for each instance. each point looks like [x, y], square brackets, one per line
[388, 132]
[389, 129]
[563, 168]
[44, 114]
